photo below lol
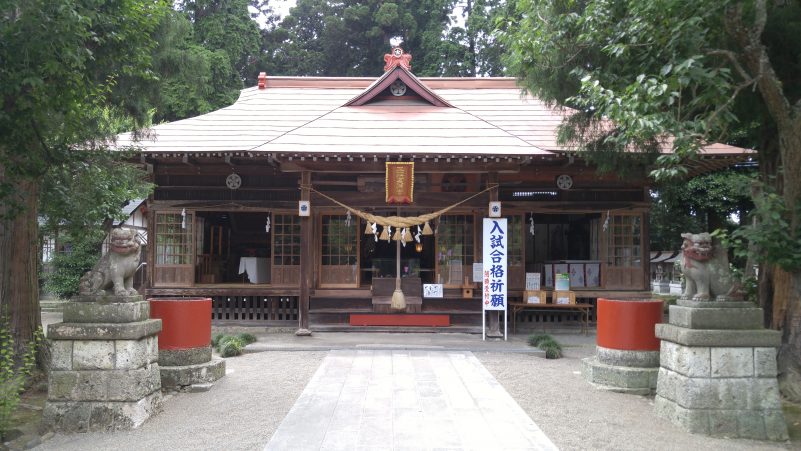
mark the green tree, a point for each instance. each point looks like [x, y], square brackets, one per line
[349, 38]
[698, 204]
[474, 49]
[64, 64]
[691, 71]
[193, 79]
[227, 25]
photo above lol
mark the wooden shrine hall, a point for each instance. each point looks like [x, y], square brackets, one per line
[225, 218]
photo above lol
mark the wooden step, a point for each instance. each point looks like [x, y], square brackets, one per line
[342, 293]
[432, 305]
[396, 329]
[400, 319]
[316, 303]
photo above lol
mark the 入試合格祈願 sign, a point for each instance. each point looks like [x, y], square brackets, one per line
[493, 291]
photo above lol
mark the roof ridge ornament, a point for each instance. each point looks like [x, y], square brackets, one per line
[397, 58]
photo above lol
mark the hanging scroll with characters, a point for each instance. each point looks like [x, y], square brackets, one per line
[400, 182]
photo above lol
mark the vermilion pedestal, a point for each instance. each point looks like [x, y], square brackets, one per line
[627, 352]
[185, 355]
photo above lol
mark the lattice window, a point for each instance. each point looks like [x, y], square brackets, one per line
[515, 240]
[455, 249]
[286, 240]
[339, 241]
[624, 241]
[173, 234]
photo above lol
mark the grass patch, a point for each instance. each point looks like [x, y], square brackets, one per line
[232, 345]
[552, 348]
[246, 338]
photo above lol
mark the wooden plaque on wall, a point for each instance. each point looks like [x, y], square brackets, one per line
[400, 182]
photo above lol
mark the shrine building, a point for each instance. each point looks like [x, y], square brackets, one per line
[226, 219]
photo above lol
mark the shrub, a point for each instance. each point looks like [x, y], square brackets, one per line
[246, 338]
[13, 373]
[223, 340]
[68, 267]
[552, 348]
[231, 345]
[231, 348]
[534, 340]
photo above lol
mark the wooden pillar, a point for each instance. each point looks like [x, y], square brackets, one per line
[493, 325]
[645, 244]
[306, 264]
[150, 258]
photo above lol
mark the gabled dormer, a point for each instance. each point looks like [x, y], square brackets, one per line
[398, 83]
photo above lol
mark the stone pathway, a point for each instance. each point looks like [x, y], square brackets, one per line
[398, 400]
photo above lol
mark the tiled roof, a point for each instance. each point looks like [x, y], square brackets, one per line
[306, 115]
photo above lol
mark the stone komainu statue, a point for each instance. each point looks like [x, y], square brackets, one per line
[116, 268]
[705, 266]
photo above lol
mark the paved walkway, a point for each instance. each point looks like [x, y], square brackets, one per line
[396, 400]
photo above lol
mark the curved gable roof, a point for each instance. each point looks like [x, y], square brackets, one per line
[389, 77]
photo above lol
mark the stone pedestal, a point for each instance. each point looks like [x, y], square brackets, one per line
[104, 370]
[718, 371]
[184, 367]
[185, 356]
[627, 356]
[632, 372]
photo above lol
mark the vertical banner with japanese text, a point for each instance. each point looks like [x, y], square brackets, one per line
[400, 182]
[494, 283]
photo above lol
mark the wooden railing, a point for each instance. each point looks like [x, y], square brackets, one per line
[262, 309]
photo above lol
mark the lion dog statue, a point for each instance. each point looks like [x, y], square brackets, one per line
[116, 268]
[705, 266]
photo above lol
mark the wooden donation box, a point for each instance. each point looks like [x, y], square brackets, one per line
[564, 297]
[535, 297]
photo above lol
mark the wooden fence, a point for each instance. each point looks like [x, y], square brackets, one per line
[250, 309]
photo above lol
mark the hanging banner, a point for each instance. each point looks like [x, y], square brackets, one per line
[494, 283]
[400, 182]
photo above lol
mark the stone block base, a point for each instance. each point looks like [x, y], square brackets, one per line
[718, 372]
[120, 312]
[622, 357]
[100, 416]
[621, 379]
[104, 374]
[181, 376]
[765, 424]
[183, 357]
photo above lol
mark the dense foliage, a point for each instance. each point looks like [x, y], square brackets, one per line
[700, 204]
[350, 38]
[676, 75]
[70, 70]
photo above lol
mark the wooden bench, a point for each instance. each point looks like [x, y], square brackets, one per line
[583, 309]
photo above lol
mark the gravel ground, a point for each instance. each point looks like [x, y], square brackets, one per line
[576, 416]
[241, 411]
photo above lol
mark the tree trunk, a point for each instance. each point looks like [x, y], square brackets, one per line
[788, 289]
[19, 284]
[787, 285]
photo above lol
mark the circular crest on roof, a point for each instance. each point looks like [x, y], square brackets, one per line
[233, 181]
[564, 181]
